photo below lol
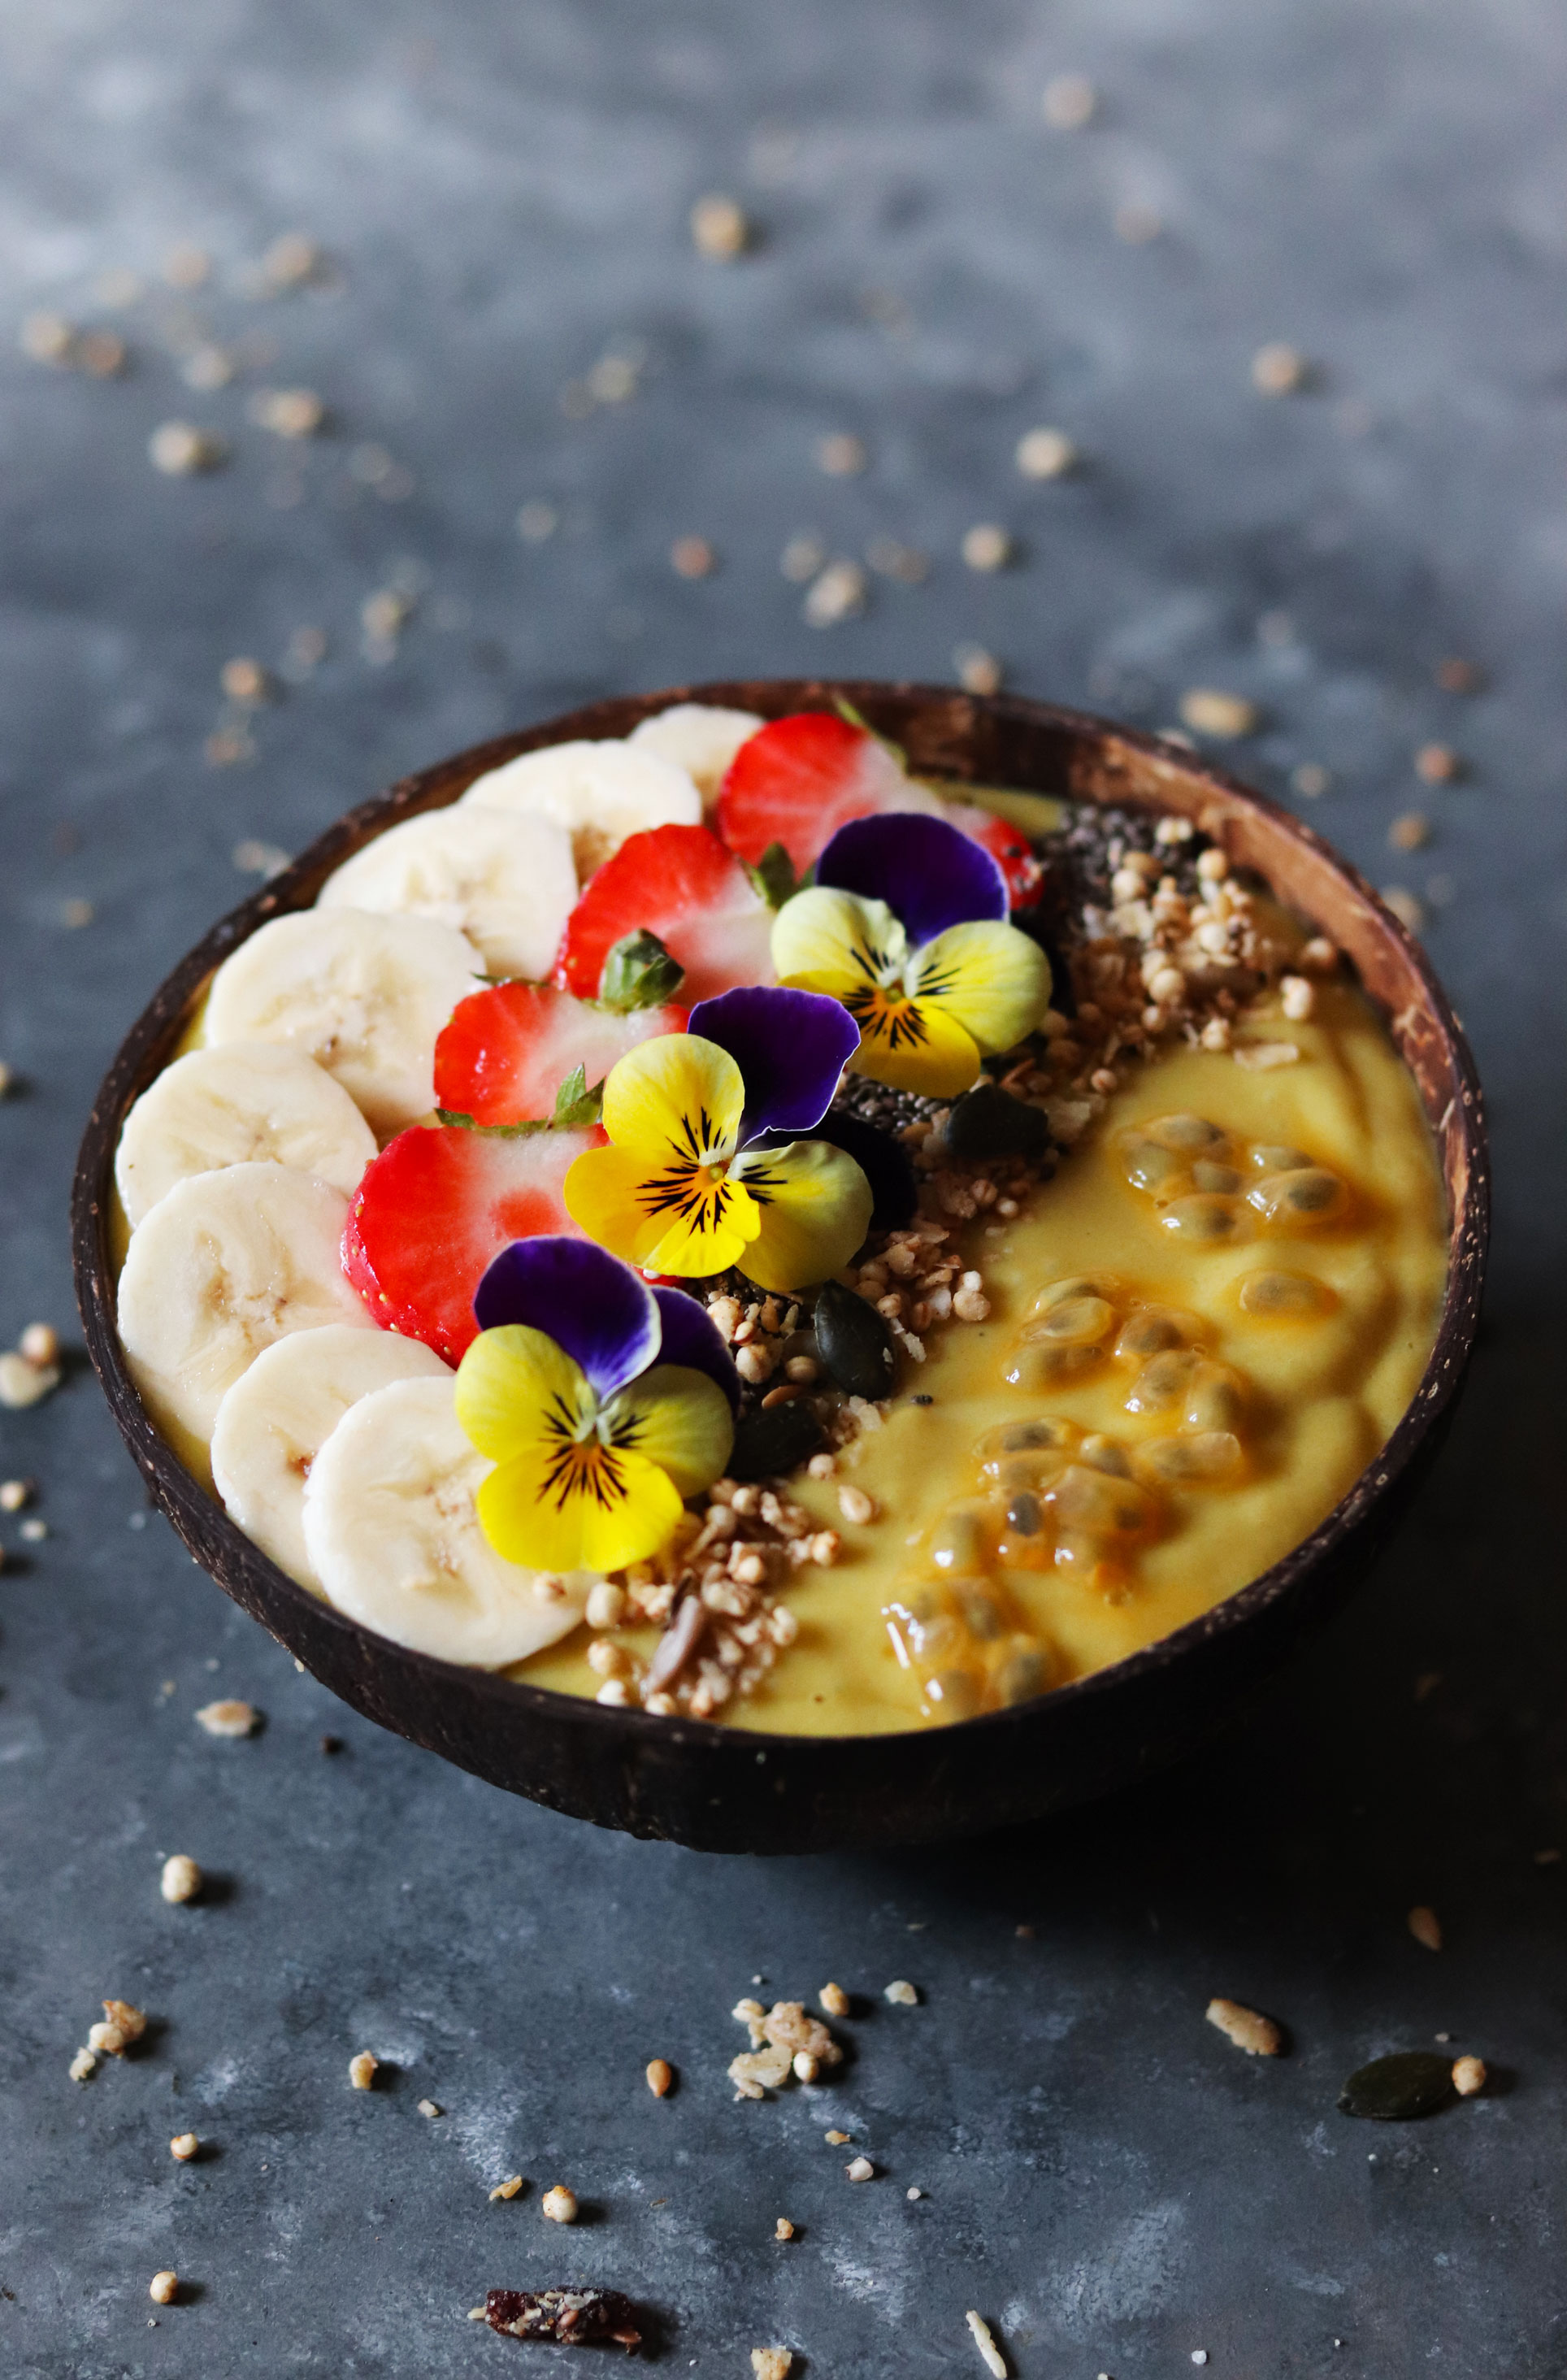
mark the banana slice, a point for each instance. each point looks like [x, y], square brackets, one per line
[364, 996]
[507, 883]
[392, 1535]
[223, 1266]
[699, 738]
[278, 1415]
[598, 793]
[245, 1101]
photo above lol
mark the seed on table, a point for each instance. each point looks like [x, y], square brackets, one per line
[228, 1719]
[1424, 1925]
[1209, 711]
[1045, 453]
[719, 228]
[840, 454]
[184, 2146]
[559, 2205]
[1250, 2031]
[1068, 103]
[660, 2077]
[995, 2361]
[178, 449]
[181, 1878]
[163, 2288]
[1468, 2076]
[771, 2362]
[987, 546]
[1278, 369]
[782, 2228]
[362, 2071]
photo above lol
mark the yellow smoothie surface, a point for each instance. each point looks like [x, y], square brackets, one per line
[1199, 1333]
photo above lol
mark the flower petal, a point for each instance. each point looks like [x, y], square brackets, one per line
[517, 1389]
[690, 1338]
[582, 1298]
[679, 1420]
[791, 1047]
[586, 1507]
[913, 1045]
[675, 1097]
[814, 1208]
[991, 979]
[683, 1219]
[930, 874]
[836, 944]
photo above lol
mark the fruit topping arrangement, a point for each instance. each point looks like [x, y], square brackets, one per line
[496, 1227]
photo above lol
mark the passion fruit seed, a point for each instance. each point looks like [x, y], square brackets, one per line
[1149, 1167]
[982, 1616]
[1283, 1297]
[1100, 1507]
[1026, 1437]
[957, 1541]
[1075, 1322]
[1022, 1513]
[1202, 1217]
[1215, 1399]
[1101, 1453]
[854, 1343]
[1192, 1462]
[1039, 1368]
[1309, 1195]
[956, 1693]
[1188, 1133]
[1222, 1178]
[1081, 1284]
[1269, 1158]
[1153, 1328]
[1164, 1381]
[1021, 1677]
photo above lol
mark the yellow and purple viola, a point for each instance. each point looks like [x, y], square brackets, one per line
[905, 926]
[711, 1162]
[602, 1402]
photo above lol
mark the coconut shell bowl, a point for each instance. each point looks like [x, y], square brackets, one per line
[723, 1788]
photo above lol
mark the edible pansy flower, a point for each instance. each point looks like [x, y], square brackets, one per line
[601, 1403]
[709, 1165]
[907, 926]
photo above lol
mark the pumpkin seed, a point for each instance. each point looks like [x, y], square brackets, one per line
[988, 1122]
[768, 1445]
[854, 1343]
[1392, 2090]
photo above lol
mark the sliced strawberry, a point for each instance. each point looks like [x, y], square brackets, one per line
[680, 883]
[1007, 844]
[507, 1052]
[434, 1209]
[799, 780]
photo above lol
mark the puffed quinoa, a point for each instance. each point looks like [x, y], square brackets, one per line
[183, 2147]
[507, 2189]
[782, 2228]
[229, 1718]
[1298, 997]
[606, 1604]
[39, 1345]
[614, 1694]
[83, 2064]
[771, 2362]
[902, 1995]
[429, 2107]
[1468, 2076]
[123, 2024]
[834, 1999]
[15, 1494]
[163, 2288]
[855, 1505]
[609, 1660]
[1257, 2035]
[559, 2205]
[971, 1305]
[860, 2169]
[362, 2071]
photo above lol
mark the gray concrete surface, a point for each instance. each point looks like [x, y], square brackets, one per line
[503, 192]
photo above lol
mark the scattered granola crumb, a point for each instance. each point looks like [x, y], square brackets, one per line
[858, 2168]
[1257, 2035]
[983, 2339]
[914, 2191]
[23, 1384]
[163, 2288]
[1045, 453]
[1068, 103]
[1439, 764]
[1410, 831]
[1424, 1925]
[1311, 779]
[243, 680]
[836, 2140]
[507, 2189]
[559, 2205]
[1209, 711]
[692, 557]
[1024, 1933]
[183, 2147]
[48, 339]
[178, 449]
[719, 228]
[902, 1995]
[1406, 906]
[1468, 2076]
[977, 671]
[362, 2071]
[1297, 997]
[292, 261]
[834, 1999]
[782, 2228]
[1278, 369]
[660, 2077]
[228, 1719]
[771, 2362]
[837, 594]
[83, 2064]
[1455, 675]
[429, 2107]
[855, 1505]
[181, 1878]
[122, 2025]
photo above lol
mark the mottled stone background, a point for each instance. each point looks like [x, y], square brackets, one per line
[503, 193]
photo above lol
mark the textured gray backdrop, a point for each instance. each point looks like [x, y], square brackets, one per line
[503, 193]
